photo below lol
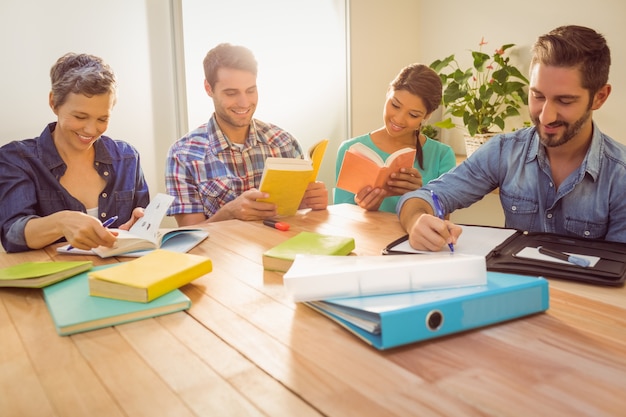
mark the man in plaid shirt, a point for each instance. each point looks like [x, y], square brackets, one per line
[215, 170]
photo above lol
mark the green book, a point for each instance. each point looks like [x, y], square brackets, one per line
[40, 274]
[281, 257]
[73, 310]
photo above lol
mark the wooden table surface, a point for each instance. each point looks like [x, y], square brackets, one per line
[245, 349]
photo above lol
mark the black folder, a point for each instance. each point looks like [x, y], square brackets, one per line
[610, 270]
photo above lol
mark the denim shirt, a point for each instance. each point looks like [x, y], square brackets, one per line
[590, 202]
[30, 171]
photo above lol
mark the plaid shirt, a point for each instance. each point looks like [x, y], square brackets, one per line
[205, 170]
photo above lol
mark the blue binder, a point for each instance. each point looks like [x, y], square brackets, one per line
[386, 321]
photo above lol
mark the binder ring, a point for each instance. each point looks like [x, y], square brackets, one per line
[434, 320]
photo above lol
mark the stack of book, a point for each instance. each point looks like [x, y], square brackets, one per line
[390, 301]
[118, 293]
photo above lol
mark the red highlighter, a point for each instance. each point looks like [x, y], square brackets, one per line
[276, 224]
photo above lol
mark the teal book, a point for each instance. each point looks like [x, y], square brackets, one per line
[73, 310]
[387, 321]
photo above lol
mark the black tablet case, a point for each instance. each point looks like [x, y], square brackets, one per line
[609, 270]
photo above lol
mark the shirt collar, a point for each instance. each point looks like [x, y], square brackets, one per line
[593, 159]
[50, 155]
[47, 151]
[223, 143]
[533, 149]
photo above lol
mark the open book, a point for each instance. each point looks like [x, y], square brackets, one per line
[362, 167]
[145, 236]
[286, 179]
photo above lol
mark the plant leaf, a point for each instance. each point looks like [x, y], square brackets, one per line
[445, 124]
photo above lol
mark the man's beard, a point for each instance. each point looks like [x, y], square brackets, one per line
[571, 130]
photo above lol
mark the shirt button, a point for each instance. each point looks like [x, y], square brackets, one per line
[513, 208]
[103, 215]
[104, 195]
[587, 233]
[549, 215]
[106, 173]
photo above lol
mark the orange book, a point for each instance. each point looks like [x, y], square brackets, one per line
[362, 166]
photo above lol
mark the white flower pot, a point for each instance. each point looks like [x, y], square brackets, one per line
[474, 142]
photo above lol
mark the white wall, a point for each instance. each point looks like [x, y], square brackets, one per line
[301, 50]
[384, 37]
[388, 35]
[133, 36]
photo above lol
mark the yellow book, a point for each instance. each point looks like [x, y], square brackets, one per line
[281, 257]
[316, 154]
[148, 277]
[286, 179]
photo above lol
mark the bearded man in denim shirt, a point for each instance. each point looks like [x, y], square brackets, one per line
[561, 176]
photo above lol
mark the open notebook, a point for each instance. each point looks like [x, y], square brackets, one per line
[517, 252]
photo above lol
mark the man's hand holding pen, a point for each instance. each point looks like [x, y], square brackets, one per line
[427, 228]
[439, 213]
[431, 233]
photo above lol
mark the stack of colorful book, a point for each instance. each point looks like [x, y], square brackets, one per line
[118, 293]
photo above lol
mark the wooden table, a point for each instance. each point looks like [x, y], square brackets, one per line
[244, 348]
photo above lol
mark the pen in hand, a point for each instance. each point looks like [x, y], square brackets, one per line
[439, 213]
[108, 222]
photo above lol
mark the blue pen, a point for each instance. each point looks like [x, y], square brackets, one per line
[439, 213]
[108, 222]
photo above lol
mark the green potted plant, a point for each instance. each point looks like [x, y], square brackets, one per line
[484, 95]
[430, 131]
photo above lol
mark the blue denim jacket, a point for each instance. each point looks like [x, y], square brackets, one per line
[590, 202]
[29, 184]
